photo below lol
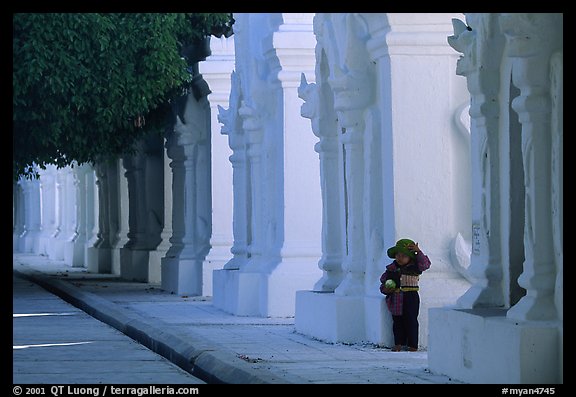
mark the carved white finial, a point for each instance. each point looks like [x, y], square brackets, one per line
[459, 28]
[224, 118]
[463, 41]
[309, 109]
[302, 92]
[307, 92]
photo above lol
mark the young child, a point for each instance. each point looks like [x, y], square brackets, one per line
[403, 299]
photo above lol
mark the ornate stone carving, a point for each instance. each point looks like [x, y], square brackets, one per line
[319, 109]
[464, 41]
[231, 126]
[480, 64]
[351, 79]
[309, 109]
[532, 39]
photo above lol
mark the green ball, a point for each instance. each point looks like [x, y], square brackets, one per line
[390, 284]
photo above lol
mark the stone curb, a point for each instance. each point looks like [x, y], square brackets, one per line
[196, 356]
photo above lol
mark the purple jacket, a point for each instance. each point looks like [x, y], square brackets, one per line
[394, 301]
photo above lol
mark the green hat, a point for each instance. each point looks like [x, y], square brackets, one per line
[401, 246]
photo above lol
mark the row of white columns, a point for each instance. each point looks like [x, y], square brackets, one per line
[508, 327]
[50, 217]
[276, 180]
[146, 216]
[392, 165]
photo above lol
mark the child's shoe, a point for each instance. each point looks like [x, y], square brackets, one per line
[397, 348]
[412, 349]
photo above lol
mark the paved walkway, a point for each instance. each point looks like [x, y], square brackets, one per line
[57, 343]
[213, 345]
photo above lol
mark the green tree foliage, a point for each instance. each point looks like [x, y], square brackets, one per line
[82, 83]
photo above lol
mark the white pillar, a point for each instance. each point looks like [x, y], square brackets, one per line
[531, 73]
[253, 128]
[30, 238]
[80, 241]
[91, 213]
[522, 343]
[73, 254]
[188, 147]
[216, 70]
[318, 109]
[119, 206]
[346, 82]
[21, 215]
[23, 200]
[144, 174]
[237, 286]
[300, 204]
[48, 193]
[165, 212]
[557, 125]
[17, 215]
[99, 255]
[278, 190]
[58, 250]
[485, 263]
[225, 285]
[134, 254]
[231, 126]
[153, 179]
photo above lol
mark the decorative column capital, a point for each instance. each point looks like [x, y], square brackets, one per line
[353, 93]
[217, 67]
[293, 46]
[530, 34]
[343, 38]
[481, 45]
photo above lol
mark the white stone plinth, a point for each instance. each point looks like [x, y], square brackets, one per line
[378, 321]
[98, 260]
[31, 242]
[437, 289]
[155, 266]
[218, 256]
[278, 291]
[55, 249]
[208, 268]
[115, 260]
[329, 317]
[74, 253]
[265, 293]
[134, 264]
[238, 291]
[483, 346]
[182, 276]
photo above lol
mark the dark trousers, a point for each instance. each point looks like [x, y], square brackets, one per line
[405, 327]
